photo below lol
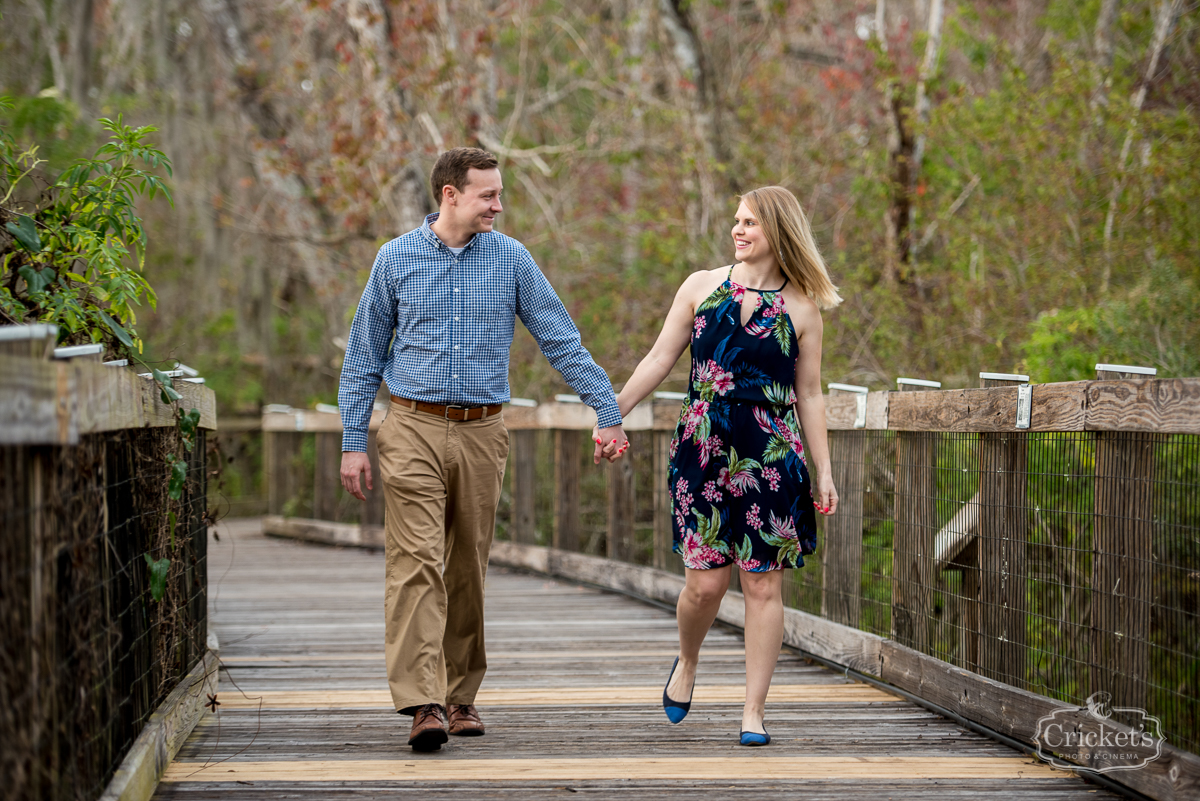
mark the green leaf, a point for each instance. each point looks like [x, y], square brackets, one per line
[116, 328]
[36, 280]
[158, 576]
[178, 476]
[25, 232]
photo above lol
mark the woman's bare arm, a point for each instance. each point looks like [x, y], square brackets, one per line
[810, 402]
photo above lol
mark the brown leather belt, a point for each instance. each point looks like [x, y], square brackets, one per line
[455, 413]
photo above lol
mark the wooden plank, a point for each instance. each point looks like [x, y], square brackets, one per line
[592, 768]
[622, 503]
[324, 531]
[1161, 405]
[842, 407]
[524, 509]
[327, 475]
[375, 508]
[56, 402]
[841, 562]
[914, 533]
[1122, 565]
[1164, 405]
[567, 458]
[163, 735]
[626, 695]
[571, 417]
[313, 421]
[663, 535]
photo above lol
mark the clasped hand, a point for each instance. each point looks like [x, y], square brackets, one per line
[611, 442]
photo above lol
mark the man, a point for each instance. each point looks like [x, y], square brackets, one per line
[436, 323]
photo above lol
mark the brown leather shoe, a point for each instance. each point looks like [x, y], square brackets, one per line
[464, 721]
[429, 728]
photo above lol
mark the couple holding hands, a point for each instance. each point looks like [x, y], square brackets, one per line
[436, 323]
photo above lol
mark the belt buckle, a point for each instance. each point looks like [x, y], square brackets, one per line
[446, 412]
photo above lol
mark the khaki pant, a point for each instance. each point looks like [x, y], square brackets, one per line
[441, 483]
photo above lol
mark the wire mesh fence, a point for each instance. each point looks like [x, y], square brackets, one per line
[1067, 564]
[92, 641]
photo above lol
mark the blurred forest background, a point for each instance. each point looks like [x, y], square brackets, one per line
[996, 184]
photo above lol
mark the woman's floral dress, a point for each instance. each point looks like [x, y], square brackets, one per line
[739, 484]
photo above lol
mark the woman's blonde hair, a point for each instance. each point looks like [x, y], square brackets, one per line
[790, 237]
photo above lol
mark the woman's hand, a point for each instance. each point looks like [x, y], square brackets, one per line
[610, 443]
[825, 497]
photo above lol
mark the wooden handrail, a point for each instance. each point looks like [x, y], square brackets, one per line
[1159, 405]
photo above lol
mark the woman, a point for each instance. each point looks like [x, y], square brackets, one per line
[740, 487]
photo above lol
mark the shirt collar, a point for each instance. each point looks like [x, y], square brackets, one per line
[434, 239]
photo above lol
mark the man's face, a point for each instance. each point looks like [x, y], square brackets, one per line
[477, 205]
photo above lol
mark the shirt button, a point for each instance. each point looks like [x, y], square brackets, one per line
[456, 347]
[454, 376]
[455, 289]
[456, 319]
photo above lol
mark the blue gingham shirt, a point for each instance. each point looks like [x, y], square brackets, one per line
[452, 320]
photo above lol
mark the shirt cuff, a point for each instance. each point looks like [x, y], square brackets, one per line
[355, 441]
[608, 415]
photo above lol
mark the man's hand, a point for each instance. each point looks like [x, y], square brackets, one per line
[610, 442]
[354, 463]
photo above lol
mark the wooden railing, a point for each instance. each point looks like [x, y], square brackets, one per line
[93, 641]
[1054, 553]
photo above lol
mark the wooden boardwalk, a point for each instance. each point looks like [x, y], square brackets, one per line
[571, 702]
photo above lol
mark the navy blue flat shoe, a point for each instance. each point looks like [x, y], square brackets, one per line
[754, 738]
[676, 710]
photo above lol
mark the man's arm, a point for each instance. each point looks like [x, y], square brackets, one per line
[543, 313]
[367, 351]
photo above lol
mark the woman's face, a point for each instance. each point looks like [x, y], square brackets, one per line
[749, 241]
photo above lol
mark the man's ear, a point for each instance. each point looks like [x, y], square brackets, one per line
[449, 195]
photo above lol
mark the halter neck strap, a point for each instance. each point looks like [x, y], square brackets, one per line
[729, 278]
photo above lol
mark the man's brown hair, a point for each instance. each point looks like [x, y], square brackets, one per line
[452, 167]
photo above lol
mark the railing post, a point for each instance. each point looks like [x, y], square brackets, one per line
[327, 475]
[566, 489]
[665, 414]
[524, 520]
[281, 451]
[841, 562]
[915, 529]
[1003, 539]
[1122, 561]
[621, 507]
[373, 509]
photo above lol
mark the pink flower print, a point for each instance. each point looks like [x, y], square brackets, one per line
[722, 381]
[763, 419]
[783, 527]
[709, 448]
[792, 437]
[776, 307]
[695, 416]
[752, 518]
[738, 292]
[696, 554]
[681, 487]
[711, 493]
[698, 326]
[704, 372]
[772, 477]
[749, 565]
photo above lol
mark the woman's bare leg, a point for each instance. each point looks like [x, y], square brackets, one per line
[764, 637]
[695, 613]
